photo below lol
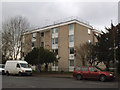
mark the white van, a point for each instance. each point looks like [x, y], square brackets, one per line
[19, 67]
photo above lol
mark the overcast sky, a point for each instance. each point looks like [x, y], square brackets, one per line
[98, 14]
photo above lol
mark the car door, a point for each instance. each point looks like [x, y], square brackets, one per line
[93, 72]
[17, 69]
[85, 72]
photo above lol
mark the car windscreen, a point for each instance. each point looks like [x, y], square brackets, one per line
[99, 69]
[24, 65]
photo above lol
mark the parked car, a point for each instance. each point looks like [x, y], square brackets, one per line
[19, 67]
[92, 72]
[2, 70]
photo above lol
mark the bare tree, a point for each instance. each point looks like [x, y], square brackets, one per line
[13, 29]
[86, 53]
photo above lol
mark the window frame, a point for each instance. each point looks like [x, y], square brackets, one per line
[42, 34]
[71, 25]
[89, 31]
[34, 35]
[41, 44]
[70, 50]
[71, 38]
[71, 64]
[54, 40]
[33, 44]
[78, 69]
[84, 69]
[93, 68]
[54, 30]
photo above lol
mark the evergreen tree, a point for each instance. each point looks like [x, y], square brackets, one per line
[108, 46]
[40, 56]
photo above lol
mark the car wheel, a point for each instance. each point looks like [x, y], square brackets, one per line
[102, 78]
[7, 73]
[20, 74]
[79, 77]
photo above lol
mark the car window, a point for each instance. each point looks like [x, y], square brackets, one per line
[18, 66]
[92, 69]
[99, 69]
[78, 69]
[84, 69]
[24, 65]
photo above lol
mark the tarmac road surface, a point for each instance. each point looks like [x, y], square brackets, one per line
[53, 82]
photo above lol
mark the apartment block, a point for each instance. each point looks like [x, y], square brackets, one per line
[61, 38]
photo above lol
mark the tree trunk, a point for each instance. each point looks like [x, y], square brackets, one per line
[97, 63]
[107, 66]
[83, 62]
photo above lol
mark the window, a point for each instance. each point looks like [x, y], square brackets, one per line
[24, 65]
[96, 34]
[55, 30]
[71, 62]
[41, 44]
[18, 66]
[56, 63]
[92, 69]
[33, 44]
[55, 51]
[34, 35]
[71, 27]
[55, 41]
[71, 38]
[89, 41]
[89, 31]
[71, 50]
[84, 69]
[78, 68]
[42, 34]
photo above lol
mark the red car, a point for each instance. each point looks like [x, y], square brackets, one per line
[91, 72]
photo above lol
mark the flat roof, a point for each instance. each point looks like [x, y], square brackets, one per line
[20, 61]
[75, 20]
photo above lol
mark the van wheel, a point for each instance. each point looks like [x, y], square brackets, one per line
[7, 73]
[79, 77]
[20, 74]
[102, 78]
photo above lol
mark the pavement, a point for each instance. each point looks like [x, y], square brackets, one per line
[57, 75]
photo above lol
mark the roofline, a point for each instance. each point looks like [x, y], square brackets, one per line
[94, 30]
[16, 61]
[57, 25]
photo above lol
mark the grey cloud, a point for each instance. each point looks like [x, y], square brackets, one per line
[99, 14]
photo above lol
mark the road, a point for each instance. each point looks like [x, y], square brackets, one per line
[52, 82]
